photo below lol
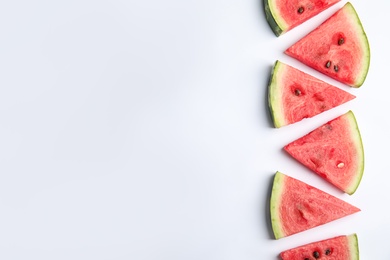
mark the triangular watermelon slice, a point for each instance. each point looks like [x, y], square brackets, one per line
[334, 151]
[296, 206]
[340, 247]
[338, 48]
[283, 15]
[294, 95]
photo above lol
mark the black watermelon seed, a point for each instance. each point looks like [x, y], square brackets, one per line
[328, 251]
[341, 41]
[301, 9]
[297, 92]
[316, 254]
[328, 64]
[336, 68]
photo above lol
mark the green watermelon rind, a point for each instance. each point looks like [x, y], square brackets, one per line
[355, 133]
[353, 246]
[364, 42]
[278, 26]
[274, 97]
[276, 196]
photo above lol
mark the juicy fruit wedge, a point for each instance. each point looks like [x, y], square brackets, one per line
[283, 15]
[341, 248]
[334, 151]
[296, 206]
[294, 95]
[338, 48]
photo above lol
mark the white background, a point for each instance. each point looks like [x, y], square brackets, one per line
[140, 130]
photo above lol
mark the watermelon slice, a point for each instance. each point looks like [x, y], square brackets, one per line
[296, 206]
[283, 15]
[341, 248]
[338, 48]
[294, 95]
[334, 151]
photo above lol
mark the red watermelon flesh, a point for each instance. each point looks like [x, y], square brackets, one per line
[334, 151]
[296, 206]
[283, 15]
[294, 95]
[338, 48]
[336, 248]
